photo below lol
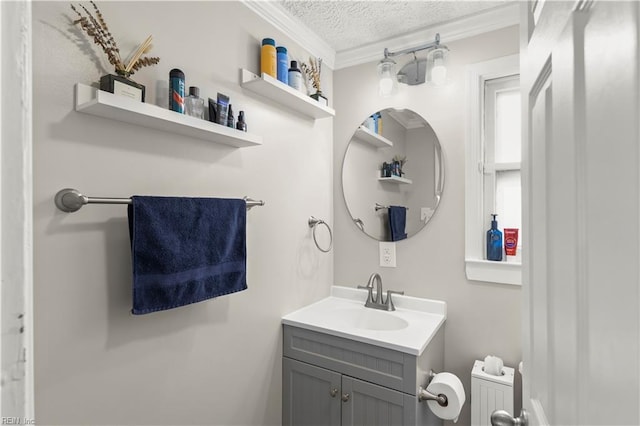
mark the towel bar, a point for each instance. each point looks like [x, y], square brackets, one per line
[71, 200]
[381, 207]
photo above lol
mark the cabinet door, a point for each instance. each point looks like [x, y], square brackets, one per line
[310, 395]
[372, 405]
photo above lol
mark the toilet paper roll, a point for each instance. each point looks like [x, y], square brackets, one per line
[449, 385]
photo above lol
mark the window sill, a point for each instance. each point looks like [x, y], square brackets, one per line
[494, 272]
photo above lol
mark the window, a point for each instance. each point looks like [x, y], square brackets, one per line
[501, 166]
[493, 161]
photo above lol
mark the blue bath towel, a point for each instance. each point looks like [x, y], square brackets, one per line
[186, 250]
[397, 222]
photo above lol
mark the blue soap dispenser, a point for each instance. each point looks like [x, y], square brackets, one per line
[494, 241]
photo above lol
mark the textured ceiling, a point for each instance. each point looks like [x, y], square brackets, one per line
[346, 24]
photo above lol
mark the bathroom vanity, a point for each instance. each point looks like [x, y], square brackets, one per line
[344, 364]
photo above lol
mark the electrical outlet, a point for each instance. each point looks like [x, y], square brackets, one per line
[388, 254]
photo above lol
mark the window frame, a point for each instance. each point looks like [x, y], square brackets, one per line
[491, 167]
[476, 267]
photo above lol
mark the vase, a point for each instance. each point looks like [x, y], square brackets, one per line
[320, 98]
[122, 85]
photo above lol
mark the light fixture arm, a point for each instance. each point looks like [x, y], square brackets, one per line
[430, 45]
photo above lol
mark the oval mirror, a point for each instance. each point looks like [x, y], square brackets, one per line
[393, 174]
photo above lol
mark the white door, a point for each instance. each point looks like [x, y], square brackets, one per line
[581, 186]
[16, 266]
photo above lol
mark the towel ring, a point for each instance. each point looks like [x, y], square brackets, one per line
[313, 224]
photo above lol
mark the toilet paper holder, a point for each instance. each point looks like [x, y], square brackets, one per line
[425, 395]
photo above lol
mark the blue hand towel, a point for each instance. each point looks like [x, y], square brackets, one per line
[186, 250]
[397, 222]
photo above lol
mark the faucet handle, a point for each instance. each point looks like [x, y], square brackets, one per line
[389, 302]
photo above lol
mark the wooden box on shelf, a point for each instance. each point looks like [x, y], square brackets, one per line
[122, 86]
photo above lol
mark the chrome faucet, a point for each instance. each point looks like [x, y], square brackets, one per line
[376, 278]
[378, 302]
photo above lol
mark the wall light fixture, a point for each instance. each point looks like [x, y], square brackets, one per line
[432, 69]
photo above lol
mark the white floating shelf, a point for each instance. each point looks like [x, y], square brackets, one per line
[374, 139]
[395, 179]
[277, 91]
[90, 100]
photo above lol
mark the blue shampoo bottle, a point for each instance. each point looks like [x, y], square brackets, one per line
[283, 64]
[494, 241]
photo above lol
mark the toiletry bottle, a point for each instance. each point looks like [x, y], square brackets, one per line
[268, 61]
[222, 108]
[283, 64]
[295, 76]
[241, 124]
[176, 91]
[194, 104]
[494, 241]
[230, 122]
[213, 110]
[370, 124]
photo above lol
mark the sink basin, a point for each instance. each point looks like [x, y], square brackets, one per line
[367, 319]
[408, 329]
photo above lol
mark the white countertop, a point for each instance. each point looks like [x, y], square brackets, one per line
[418, 319]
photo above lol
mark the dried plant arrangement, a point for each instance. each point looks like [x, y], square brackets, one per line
[96, 27]
[313, 72]
[399, 159]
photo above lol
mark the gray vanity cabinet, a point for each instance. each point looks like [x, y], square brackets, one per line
[318, 397]
[329, 380]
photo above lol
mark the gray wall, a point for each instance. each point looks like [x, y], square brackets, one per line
[482, 318]
[420, 168]
[215, 362]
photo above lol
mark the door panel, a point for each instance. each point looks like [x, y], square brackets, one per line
[611, 220]
[307, 398]
[373, 405]
[539, 294]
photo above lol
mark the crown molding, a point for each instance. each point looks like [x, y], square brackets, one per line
[293, 28]
[493, 19]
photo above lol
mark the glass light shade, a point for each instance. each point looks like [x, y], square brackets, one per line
[388, 84]
[437, 61]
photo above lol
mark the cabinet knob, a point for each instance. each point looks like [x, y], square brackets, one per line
[333, 392]
[345, 397]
